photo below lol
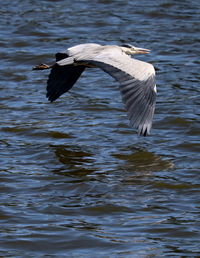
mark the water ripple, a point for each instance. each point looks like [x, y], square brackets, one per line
[75, 179]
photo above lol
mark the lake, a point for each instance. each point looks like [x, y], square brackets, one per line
[76, 180]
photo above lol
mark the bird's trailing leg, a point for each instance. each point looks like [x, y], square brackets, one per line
[42, 67]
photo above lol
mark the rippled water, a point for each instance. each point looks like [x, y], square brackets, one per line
[76, 181]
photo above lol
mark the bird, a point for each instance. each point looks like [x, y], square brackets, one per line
[136, 78]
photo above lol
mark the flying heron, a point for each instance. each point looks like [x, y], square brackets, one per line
[136, 78]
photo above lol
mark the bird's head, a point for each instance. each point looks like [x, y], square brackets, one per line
[132, 50]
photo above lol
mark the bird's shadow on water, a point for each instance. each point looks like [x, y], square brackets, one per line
[90, 177]
[142, 160]
[79, 161]
[75, 161]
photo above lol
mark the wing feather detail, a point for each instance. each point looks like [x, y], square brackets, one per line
[137, 85]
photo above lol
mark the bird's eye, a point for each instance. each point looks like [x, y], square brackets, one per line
[127, 45]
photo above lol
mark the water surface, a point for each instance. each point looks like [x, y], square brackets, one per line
[76, 180]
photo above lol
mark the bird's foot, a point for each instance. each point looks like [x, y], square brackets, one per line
[41, 67]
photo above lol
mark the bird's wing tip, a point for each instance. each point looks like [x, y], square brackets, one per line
[144, 130]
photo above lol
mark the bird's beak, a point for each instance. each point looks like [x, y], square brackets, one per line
[138, 50]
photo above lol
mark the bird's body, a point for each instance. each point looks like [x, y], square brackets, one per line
[136, 78]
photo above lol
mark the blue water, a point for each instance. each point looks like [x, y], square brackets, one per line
[76, 180]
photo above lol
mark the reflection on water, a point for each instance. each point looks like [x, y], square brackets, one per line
[75, 160]
[144, 161]
[76, 181]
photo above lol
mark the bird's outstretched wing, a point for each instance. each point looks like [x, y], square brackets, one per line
[137, 84]
[62, 78]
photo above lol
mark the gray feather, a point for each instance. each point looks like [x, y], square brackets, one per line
[137, 82]
[136, 78]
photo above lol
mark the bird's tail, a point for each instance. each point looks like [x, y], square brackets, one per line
[66, 61]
